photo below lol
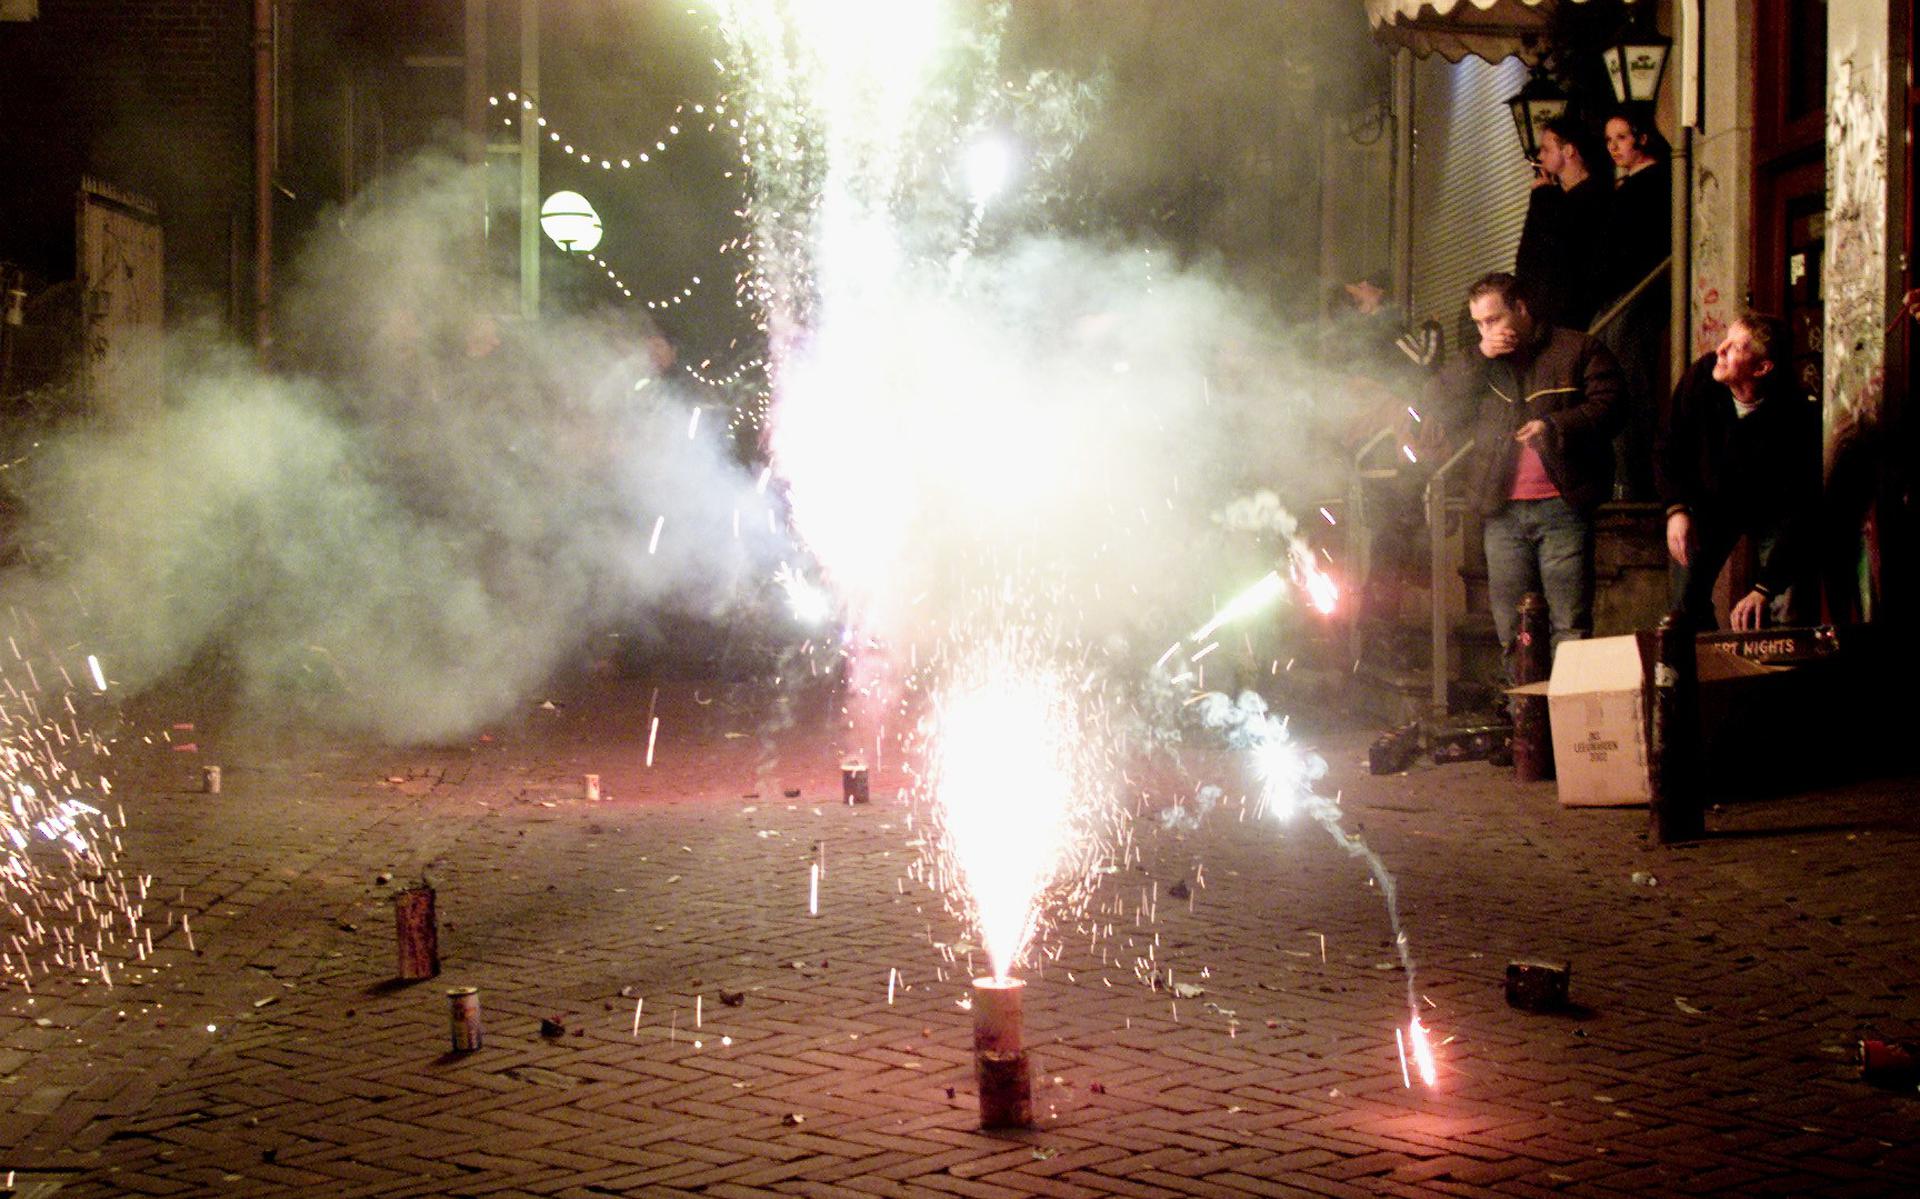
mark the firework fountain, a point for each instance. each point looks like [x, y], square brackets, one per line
[1001, 391]
[1023, 816]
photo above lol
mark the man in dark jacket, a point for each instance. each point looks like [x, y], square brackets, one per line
[1738, 454]
[1544, 404]
[1562, 257]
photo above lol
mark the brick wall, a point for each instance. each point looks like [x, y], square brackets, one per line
[152, 95]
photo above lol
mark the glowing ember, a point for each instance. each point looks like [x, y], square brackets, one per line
[989, 167]
[1284, 772]
[810, 605]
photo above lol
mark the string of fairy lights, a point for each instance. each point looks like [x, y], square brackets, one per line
[685, 111]
[688, 116]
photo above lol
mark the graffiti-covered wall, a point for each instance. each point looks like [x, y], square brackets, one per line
[1866, 73]
[1857, 275]
[1722, 230]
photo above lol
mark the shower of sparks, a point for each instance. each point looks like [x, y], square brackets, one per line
[1021, 799]
[864, 222]
[888, 326]
[64, 904]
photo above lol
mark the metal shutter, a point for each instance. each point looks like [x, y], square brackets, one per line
[1470, 183]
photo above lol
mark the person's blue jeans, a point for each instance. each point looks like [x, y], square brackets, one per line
[1691, 587]
[1544, 546]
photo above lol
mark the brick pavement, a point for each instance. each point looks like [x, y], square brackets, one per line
[1710, 1054]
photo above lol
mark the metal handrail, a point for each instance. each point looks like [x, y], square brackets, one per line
[1633, 293]
[1360, 531]
[1436, 499]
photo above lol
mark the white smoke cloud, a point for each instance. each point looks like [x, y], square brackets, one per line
[410, 526]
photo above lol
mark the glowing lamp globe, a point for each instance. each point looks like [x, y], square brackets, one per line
[570, 221]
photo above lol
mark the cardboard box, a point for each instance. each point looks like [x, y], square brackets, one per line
[1596, 703]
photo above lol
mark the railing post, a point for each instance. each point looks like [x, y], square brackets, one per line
[1674, 810]
[1360, 540]
[1438, 568]
[1532, 663]
[1442, 645]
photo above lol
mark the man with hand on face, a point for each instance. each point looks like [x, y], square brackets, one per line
[1738, 454]
[1543, 405]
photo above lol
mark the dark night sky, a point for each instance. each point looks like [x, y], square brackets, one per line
[1210, 133]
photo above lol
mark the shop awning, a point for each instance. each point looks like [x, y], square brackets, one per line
[1453, 29]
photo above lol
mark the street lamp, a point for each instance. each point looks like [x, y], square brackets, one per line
[570, 221]
[1533, 106]
[1636, 59]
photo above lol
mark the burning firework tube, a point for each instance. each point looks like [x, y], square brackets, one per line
[210, 779]
[1674, 808]
[1532, 663]
[463, 1011]
[1000, 1060]
[853, 780]
[416, 933]
[1889, 1062]
[590, 787]
[1535, 986]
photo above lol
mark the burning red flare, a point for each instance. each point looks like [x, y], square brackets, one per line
[1422, 1051]
[1321, 591]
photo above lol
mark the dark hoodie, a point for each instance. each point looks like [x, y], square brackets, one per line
[1757, 474]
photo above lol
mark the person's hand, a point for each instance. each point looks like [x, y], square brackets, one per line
[1541, 178]
[1497, 343]
[1680, 538]
[1746, 614]
[1531, 432]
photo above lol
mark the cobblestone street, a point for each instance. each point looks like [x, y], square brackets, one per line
[719, 1041]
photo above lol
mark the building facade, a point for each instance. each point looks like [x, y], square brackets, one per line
[1793, 193]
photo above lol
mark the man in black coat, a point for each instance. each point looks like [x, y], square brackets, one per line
[1562, 258]
[1738, 454]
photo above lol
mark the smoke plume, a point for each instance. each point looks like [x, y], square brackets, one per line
[408, 527]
